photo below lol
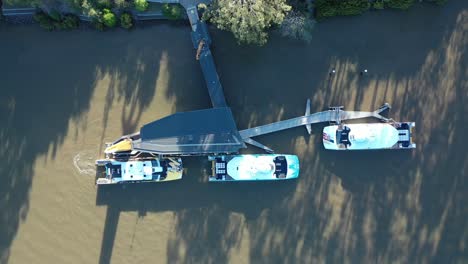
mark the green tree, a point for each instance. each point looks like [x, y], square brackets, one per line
[126, 20]
[400, 4]
[248, 20]
[141, 5]
[331, 8]
[108, 18]
[297, 26]
[172, 11]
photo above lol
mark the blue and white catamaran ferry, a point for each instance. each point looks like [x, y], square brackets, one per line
[395, 135]
[260, 167]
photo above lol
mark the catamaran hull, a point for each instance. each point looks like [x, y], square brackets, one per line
[103, 181]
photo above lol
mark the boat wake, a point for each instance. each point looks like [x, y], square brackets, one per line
[84, 164]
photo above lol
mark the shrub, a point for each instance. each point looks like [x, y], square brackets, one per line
[141, 5]
[330, 8]
[55, 15]
[86, 7]
[378, 5]
[122, 4]
[104, 4]
[296, 26]
[172, 12]
[44, 21]
[126, 20]
[400, 4]
[56, 21]
[98, 25]
[70, 22]
[438, 2]
[108, 18]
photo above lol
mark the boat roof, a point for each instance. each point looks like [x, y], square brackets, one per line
[134, 170]
[263, 167]
[196, 132]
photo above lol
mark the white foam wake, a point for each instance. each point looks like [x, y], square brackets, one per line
[84, 164]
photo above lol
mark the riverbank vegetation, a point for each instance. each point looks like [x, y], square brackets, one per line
[330, 8]
[126, 20]
[56, 21]
[172, 11]
[297, 26]
[141, 5]
[247, 20]
[102, 13]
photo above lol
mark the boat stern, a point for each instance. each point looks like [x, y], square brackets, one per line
[405, 135]
[293, 166]
[329, 138]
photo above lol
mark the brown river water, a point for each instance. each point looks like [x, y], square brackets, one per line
[63, 94]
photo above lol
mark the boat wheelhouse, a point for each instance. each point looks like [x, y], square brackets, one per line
[396, 135]
[135, 170]
[260, 167]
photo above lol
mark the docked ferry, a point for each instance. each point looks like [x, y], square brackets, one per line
[124, 165]
[140, 170]
[260, 167]
[396, 135]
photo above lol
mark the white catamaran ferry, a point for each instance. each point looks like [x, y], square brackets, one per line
[124, 165]
[394, 135]
[261, 167]
[140, 170]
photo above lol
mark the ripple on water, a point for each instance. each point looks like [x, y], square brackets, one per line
[84, 163]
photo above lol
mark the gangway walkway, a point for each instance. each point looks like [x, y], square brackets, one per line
[201, 42]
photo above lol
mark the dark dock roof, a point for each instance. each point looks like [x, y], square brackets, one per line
[197, 132]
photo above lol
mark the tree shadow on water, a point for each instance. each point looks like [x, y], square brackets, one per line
[38, 99]
[204, 211]
[50, 83]
[384, 206]
[349, 207]
[346, 207]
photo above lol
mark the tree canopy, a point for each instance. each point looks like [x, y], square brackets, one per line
[248, 20]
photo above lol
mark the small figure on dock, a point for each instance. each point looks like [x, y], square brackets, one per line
[200, 47]
[332, 72]
[363, 72]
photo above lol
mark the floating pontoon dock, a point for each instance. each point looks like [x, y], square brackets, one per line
[213, 131]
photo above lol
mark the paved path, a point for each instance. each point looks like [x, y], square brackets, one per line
[28, 11]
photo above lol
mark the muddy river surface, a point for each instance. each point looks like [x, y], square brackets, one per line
[64, 94]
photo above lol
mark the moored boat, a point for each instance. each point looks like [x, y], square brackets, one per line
[136, 170]
[259, 167]
[396, 135]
